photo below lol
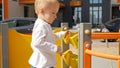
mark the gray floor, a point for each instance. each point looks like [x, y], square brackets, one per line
[103, 63]
[98, 62]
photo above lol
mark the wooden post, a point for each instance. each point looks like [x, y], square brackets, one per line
[0, 45]
[5, 45]
[64, 45]
[84, 36]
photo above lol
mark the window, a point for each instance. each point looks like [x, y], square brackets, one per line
[95, 1]
[77, 15]
[95, 11]
[96, 15]
[26, 9]
[0, 12]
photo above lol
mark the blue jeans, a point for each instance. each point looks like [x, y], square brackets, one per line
[32, 67]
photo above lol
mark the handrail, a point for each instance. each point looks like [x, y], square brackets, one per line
[105, 35]
[102, 55]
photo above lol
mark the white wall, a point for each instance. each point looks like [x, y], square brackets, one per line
[14, 9]
[113, 1]
[17, 10]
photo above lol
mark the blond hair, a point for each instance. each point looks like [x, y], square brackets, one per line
[43, 4]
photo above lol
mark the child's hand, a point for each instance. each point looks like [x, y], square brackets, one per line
[59, 50]
[67, 33]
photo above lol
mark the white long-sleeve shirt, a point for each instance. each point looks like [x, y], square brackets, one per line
[43, 45]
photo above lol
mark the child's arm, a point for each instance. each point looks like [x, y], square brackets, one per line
[61, 34]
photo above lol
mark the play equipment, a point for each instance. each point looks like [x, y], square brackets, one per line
[20, 50]
[70, 58]
[71, 38]
[74, 40]
[84, 45]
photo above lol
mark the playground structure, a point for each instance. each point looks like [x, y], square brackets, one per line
[84, 45]
[16, 52]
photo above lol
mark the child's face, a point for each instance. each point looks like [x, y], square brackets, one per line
[50, 13]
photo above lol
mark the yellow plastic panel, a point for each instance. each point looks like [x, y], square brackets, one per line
[66, 38]
[19, 49]
[74, 40]
[74, 62]
[57, 30]
[58, 57]
[58, 42]
[66, 57]
[70, 59]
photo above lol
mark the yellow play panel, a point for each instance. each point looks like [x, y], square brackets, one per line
[19, 50]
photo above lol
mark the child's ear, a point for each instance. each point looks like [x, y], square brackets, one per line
[42, 10]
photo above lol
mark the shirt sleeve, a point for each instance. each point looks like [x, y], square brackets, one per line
[39, 42]
[60, 34]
